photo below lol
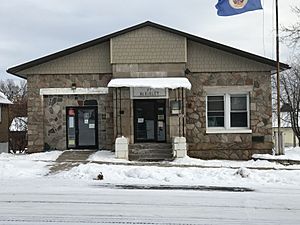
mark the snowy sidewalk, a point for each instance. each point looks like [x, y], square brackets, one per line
[291, 157]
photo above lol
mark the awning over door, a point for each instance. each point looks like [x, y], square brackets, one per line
[161, 82]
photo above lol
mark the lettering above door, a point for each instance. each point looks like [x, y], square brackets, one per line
[144, 93]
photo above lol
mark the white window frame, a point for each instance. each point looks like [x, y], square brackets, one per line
[227, 112]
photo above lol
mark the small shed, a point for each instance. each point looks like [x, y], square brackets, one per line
[4, 122]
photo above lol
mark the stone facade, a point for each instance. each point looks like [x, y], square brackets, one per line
[229, 146]
[47, 115]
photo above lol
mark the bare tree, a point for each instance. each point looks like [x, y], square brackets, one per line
[16, 92]
[291, 34]
[290, 97]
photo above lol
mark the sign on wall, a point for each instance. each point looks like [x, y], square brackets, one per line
[143, 93]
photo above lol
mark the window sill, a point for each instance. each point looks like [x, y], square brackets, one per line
[231, 131]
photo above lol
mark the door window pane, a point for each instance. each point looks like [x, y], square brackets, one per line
[215, 114]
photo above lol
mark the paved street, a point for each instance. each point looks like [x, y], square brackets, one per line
[55, 201]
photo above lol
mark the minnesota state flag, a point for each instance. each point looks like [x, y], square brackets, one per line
[234, 7]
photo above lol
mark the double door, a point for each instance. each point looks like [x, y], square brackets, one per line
[149, 120]
[82, 127]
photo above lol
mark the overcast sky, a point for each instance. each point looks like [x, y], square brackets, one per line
[34, 28]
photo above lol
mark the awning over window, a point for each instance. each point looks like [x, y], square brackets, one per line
[161, 82]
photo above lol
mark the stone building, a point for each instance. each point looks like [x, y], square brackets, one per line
[4, 122]
[150, 84]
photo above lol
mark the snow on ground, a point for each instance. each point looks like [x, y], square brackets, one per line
[178, 173]
[290, 154]
[154, 175]
[26, 165]
[27, 196]
[105, 156]
[108, 156]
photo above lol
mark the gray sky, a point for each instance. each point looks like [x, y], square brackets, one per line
[34, 28]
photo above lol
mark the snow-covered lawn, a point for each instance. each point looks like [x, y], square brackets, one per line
[37, 165]
[26, 166]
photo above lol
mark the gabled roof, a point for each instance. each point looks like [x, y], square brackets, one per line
[19, 124]
[16, 69]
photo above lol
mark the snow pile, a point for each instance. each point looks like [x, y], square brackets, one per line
[108, 156]
[226, 163]
[290, 154]
[105, 156]
[153, 175]
[45, 156]
[26, 166]
[243, 172]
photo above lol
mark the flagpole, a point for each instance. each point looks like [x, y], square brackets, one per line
[280, 150]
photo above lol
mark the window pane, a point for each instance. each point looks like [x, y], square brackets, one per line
[215, 121]
[215, 114]
[215, 98]
[238, 102]
[216, 106]
[215, 103]
[238, 119]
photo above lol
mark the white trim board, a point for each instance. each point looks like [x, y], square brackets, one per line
[228, 89]
[77, 91]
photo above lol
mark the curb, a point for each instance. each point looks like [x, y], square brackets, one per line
[176, 187]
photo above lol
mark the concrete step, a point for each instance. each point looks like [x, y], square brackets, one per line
[150, 152]
[151, 158]
[151, 146]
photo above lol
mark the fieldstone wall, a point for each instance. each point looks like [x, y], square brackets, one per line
[229, 146]
[47, 116]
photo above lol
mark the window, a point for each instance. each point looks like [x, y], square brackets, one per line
[228, 112]
[215, 111]
[238, 111]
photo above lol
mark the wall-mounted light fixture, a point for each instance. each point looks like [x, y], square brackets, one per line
[187, 71]
[73, 86]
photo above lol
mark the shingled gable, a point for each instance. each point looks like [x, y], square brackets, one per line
[15, 70]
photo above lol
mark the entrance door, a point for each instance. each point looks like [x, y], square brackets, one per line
[149, 120]
[82, 126]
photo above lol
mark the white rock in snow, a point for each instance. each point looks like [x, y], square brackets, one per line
[243, 172]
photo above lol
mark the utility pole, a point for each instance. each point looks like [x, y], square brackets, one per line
[279, 142]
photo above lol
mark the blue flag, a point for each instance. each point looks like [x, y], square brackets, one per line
[234, 7]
